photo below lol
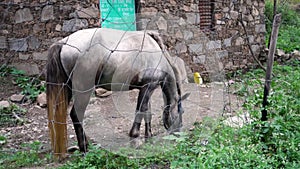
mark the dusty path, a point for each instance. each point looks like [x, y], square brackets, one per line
[108, 120]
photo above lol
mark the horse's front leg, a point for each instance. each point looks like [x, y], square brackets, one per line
[148, 118]
[135, 129]
[142, 111]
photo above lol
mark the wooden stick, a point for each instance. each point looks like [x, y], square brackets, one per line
[273, 41]
[274, 13]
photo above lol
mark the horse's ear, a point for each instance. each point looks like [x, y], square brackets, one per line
[185, 96]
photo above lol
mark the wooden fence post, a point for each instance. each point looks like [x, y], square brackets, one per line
[272, 48]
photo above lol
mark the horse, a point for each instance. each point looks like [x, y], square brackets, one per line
[117, 61]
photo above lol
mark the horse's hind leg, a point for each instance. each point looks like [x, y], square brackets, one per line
[81, 137]
[142, 111]
[81, 101]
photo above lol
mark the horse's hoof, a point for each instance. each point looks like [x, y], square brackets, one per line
[148, 135]
[135, 130]
[134, 134]
[72, 149]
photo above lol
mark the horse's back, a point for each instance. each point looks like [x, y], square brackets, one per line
[111, 39]
[118, 56]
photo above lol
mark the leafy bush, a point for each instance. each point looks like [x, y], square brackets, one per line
[282, 132]
[289, 16]
[288, 37]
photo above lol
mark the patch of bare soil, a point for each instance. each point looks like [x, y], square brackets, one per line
[7, 87]
[108, 120]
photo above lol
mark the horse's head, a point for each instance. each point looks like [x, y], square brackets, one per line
[172, 115]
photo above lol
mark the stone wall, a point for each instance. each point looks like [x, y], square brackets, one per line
[27, 29]
[225, 47]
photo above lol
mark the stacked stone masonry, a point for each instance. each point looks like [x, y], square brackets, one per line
[28, 28]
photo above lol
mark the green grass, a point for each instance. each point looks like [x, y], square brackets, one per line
[215, 145]
[7, 116]
[29, 156]
[289, 32]
[211, 144]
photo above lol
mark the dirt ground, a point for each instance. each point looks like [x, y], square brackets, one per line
[108, 120]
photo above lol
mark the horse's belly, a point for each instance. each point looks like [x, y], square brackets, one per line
[116, 79]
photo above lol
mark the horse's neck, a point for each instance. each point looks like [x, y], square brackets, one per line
[169, 88]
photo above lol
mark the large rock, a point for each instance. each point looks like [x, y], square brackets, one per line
[23, 15]
[47, 13]
[3, 42]
[214, 45]
[40, 55]
[19, 45]
[260, 28]
[222, 54]
[187, 35]
[227, 42]
[296, 54]
[23, 56]
[180, 48]
[30, 69]
[34, 42]
[199, 59]
[196, 48]
[162, 24]
[280, 52]
[74, 25]
[192, 18]
[90, 12]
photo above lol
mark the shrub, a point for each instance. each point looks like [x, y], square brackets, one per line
[288, 37]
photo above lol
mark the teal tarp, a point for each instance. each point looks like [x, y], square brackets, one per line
[118, 14]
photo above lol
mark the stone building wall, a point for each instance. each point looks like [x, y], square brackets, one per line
[224, 47]
[28, 28]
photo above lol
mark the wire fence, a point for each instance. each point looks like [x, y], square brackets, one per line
[91, 56]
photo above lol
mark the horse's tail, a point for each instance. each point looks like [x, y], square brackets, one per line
[58, 96]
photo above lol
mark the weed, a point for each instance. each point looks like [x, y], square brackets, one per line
[11, 116]
[27, 157]
[30, 86]
[288, 36]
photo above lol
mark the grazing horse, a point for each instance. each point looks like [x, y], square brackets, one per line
[114, 60]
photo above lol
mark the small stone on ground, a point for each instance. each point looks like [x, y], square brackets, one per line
[18, 98]
[4, 104]
[42, 100]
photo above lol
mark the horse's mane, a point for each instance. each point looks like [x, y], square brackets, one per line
[174, 66]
